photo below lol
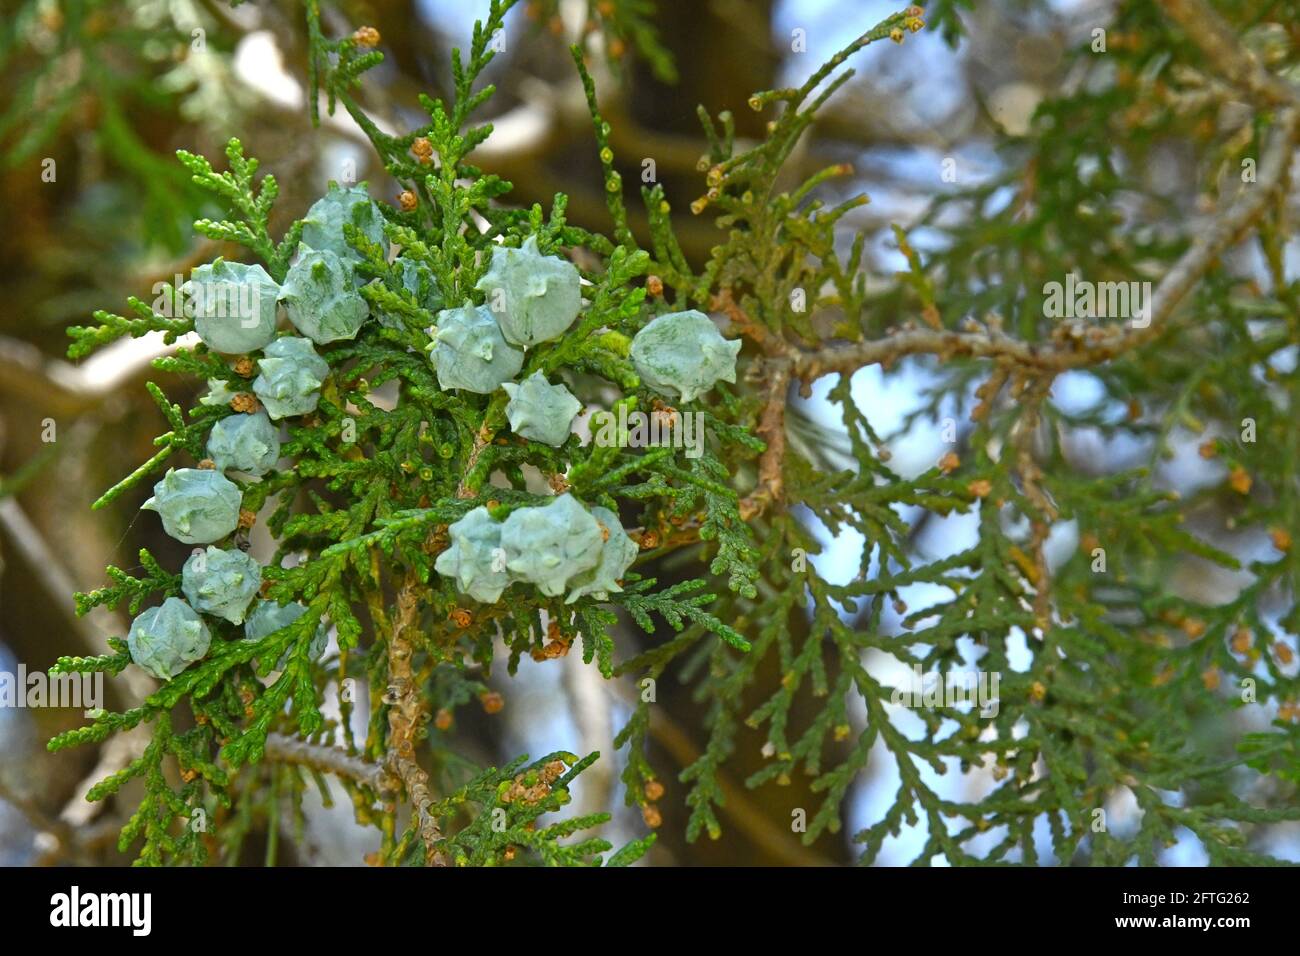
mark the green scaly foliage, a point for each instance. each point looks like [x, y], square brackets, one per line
[1121, 671]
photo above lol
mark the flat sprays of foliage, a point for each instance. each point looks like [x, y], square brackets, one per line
[429, 496]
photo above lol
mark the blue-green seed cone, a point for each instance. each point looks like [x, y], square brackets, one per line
[247, 443]
[197, 505]
[221, 583]
[290, 377]
[320, 298]
[683, 354]
[535, 298]
[551, 544]
[541, 411]
[165, 640]
[268, 617]
[475, 559]
[323, 224]
[616, 556]
[470, 353]
[234, 306]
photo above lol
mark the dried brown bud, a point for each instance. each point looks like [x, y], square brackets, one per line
[245, 402]
[407, 200]
[492, 702]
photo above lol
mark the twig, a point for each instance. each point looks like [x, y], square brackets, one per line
[1063, 351]
[334, 760]
[1067, 349]
[1044, 512]
[771, 428]
[1216, 39]
[406, 713]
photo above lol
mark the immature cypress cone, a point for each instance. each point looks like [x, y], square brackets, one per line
[541, 411]
[270, 616]
[290, 377]
[616, 556]
[475, 559]
[247, 443]
[418, 279]
[683, 354]
[165, 640]
[320, 298]
[551, 544]
[221, 583]
[323, 224]
[534, 297]
[470, 353]
[197, 505]
[234, 306]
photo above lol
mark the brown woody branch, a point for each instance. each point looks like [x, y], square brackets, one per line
[294, 750]
[405, 715]
[1069, 347]
[1218, 42]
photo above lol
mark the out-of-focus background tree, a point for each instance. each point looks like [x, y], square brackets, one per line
[95, 97]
